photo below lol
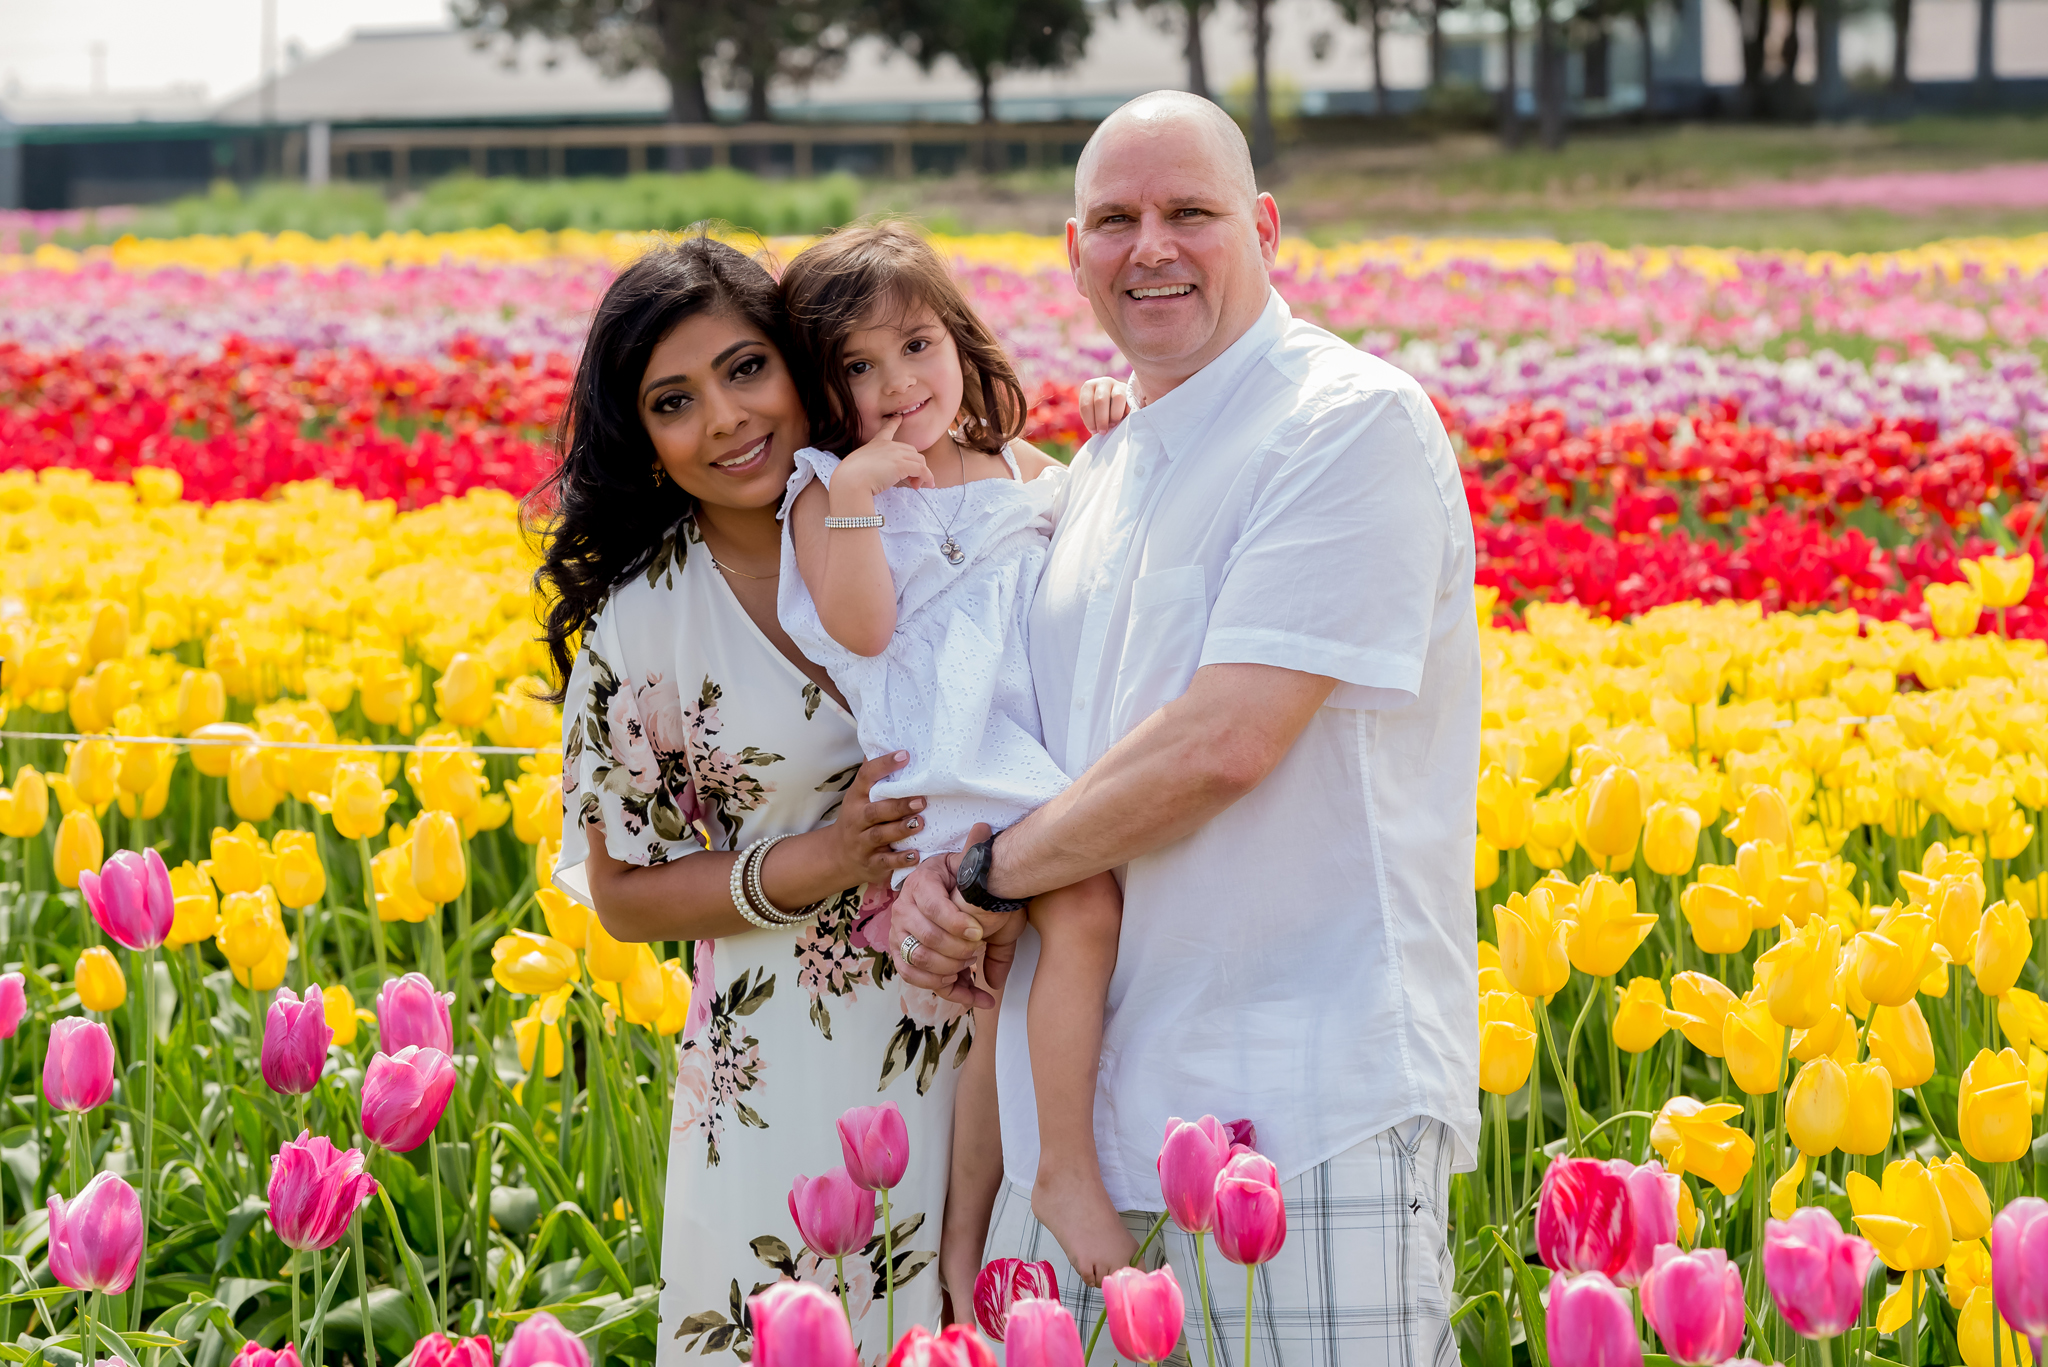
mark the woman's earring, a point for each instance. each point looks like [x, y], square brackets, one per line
[660, 475]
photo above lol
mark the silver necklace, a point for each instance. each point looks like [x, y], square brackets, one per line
[948, 547]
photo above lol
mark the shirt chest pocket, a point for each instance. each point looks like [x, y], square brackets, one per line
[1163, 645]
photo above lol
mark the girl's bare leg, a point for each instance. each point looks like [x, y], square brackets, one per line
[977, 1171]
[1077, 928]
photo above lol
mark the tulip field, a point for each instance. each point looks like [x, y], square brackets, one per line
[306, 1061]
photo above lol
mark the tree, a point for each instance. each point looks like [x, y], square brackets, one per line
[1372, 14]
[1987, 57]
[1510, 93]
[1264, 145]
[1902, 44]
[800, 40]
[675, 37]
[1827, 58]
[1192, 13]
[986, 37]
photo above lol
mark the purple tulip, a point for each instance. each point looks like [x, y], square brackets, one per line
[131, 898]
[78, 1065]
[1653, 1213]
[295, 1039]
[315, 1190]
[438, 1350]
[410, 1012]
[96, 1236]
[403, 1097]
[834, 1214]
[1694, 1302]
[1190, 1161]
[254, 1354]
[1145, 1311]
[799, 1324]
[540, 1339]
[876, 1145]
[2019, 1268]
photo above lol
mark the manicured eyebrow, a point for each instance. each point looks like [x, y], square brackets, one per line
[716, 361]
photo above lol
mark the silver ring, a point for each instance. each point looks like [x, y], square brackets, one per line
[909, 947]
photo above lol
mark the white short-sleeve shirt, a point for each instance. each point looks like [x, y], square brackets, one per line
[1308, 959]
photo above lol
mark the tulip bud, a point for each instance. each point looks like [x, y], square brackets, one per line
[404, 1095]
[26, 814]
[301, 881]
[131, 899]
[1900, 1040]
[1251, 1215]
[315, 1190]
[1607, 928]
[295, 1040]
[1869, 1127]
[411, 1013]
[1042, 1334]
[1655, 1199]
[1589, 1324]
[1144, 1311]
[1004, 1282]
[99, 982]
[13, 1003]
[1505, 808]
[1671, 838]
[1994, 1117]
[338, 1005]
[799, 1324]
[834, 1215]
[251, 794]
[876, 1146]
[1721, 918]
[2000, 581]
[2019, 1268]
[1532, 949]
[1973, 1335]
[438, 1350]
[1194, 1155]
[532, 965]
[2004, 941]
[96, 1236]
[202, 700]
[1485, 866]
[1963, 1197]
[355, 800]
[567, 919]
[439, 867]
[1815, 1272]
[1700, 1006]
[609, 960]
[251, 925]
[397, 898]
[1613, 815]
[1694, 1302]
[1639, 1017]
[78, 1065]
[540, 1339]
[957, 1345]
[195, 908]
[80, 847]
[1585, 1219]
[1953, 608]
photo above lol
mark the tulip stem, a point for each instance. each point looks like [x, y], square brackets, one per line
[370, 901]
[355, 1230]
[296, 1321]
[1202, 1307]
[89, 1349]
[889, 1265]
[74, 1125]
[839, 1275]
[1251, 1272]
[148, 1122]
[440, 1238]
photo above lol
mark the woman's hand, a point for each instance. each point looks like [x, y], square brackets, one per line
[884, 463]
[865, 829]
[1103, 402]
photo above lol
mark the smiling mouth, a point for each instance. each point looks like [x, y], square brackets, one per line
[1160, 291]
[906, 412]
[746, 457]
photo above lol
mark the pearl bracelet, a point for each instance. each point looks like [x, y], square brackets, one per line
[750, 898]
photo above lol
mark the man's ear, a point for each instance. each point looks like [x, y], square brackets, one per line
[1074, 253]
[1269, 229]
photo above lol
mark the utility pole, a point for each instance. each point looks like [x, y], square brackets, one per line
[267, 92]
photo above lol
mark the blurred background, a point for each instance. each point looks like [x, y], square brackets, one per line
[1853, 124]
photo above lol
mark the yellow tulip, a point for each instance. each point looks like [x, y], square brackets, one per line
[1785, 1191]
[2030, 895]
[1532, 950]
[645, 990]
[567, 918]
[1831, 1036]
[492, 811]
[301, 881]
[1671, 838]
[216, 760]
[251, 925]
[1608, 927]
[545, 856]
[1507, 1042]
[1954, 608]
[202, 701]
[1817, 1107]
[333, 689]
[2000, 581]
[386, 686]
[2004, 942]
[98, 980]
[80, 846]
[240, 862]
[2037, 1078]
[1963, 1197]
[1799, 973]
[2022, 1019]
[195, 910]
[2010, 839]
[1869, 1127]
[1639, 1016]
[1693, 677]
[355, 800]
[108, 639]
[532, 965]
[1720, 917]
[1754, 1046]
[537, 806]
[1904, 1216]
[1994, 1118]
[1800, 896]
[1901, 1305]
[1968, 1267]
[397, 898]
[527, 1032]
[29, 809]
[1764, 816]
[1973, 1330]
[94, 770]
[251, 795]
[675, 1000]
[1551, 837]
[1485, 866]
[150, 804]
[463, 693]
[1707, 1148]
[338, 1005]
[1699, 1008]
[1505, 807]
[446, 775]
[1893, 960]
[439, 864]
[1608, 815]
[269, 971]
[609, 960]
[1957, 906]
[524, 719]
[1900, 1040]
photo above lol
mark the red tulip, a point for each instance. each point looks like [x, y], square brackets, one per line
[798, 1324]
[834, 1214]
[96, 1236]
[254, 1354]
[875, 1144]
[1653, 1211]
[541, 1339]
[13, 1003]
[2019, 1268]
[131, 899]
[438, 1350]
[1694, 1302]
[1589, 1324]
[1584, 1218]
[1251, 1216]
[295, 1039]
[1042, 1334]
[403, 1097]
[957, 1345]
[1189, 1161]
[315, 1190]
[78, 1065]
[1144, 1310]
[1815, 1272]
[410, 1011]
[1004, 1282]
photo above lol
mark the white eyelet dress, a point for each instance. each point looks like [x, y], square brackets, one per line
[954, 686]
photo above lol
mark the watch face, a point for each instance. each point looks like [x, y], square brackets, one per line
[974, 867]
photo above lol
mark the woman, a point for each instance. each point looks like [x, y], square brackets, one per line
[694, 735]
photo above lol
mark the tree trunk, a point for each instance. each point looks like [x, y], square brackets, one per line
[1902, 43]
[682, 59]
[760, 57]
[1510, 112]
[1788, 46]
[1198, 66]
[1755, 19]
[1987, 33]
[1549, 79]
[986, 78]
[1642, 18]
[1376, 31]
[1264, 147]
[1436, 46]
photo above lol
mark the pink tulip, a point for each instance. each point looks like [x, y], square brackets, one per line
[96, 1236]
[1189, 1161]
[315, 1190]
[1694, 1302]
[13, 1003]
[1042, 1334]
[1584, 1220]
[957, 1345]
[1590, 1324]
[254, 1354]
[295, 1039]
[438, 1350]
[2019, 1268]
[1653, 1211]
[1251, 1216]
[875, 1144]
[1815, 1272]
[78, 1066]
[1004, 1282]
[131, 898]
[1144, 1310]
[540, 1338]
[403, 1097]
[834, 1214]
[410, 1011]
[798, 1324]
[1243, 1135]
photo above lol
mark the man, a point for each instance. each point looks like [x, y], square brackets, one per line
[1254, 644]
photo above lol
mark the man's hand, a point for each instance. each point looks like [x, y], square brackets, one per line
[951, 935]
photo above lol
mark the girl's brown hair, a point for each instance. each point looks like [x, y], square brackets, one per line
[837, 283]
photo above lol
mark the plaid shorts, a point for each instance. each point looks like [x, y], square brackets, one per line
[1364, 1280]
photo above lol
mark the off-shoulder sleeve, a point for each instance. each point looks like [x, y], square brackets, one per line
[613, 776]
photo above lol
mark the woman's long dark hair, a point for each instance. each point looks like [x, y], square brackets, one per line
[601, 514]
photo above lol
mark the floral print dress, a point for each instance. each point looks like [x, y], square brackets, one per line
[685, 729]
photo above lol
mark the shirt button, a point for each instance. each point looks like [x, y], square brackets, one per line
[1081, 701]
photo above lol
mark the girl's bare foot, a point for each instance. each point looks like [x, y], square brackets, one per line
[1070, 1201]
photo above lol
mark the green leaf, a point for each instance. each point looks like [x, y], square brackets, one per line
[41, 1293]
[594, 1244]
[1529, 1298]
[542, 1168]
[313, 1326]
[415, 1275]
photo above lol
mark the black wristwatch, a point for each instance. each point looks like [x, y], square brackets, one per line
[972, 878]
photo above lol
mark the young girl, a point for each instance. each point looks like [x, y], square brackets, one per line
[908, 566]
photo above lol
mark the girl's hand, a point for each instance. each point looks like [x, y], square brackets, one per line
[865, 830]
[884, 463]
[1104, 402]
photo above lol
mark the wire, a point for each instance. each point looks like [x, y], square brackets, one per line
[259, 743]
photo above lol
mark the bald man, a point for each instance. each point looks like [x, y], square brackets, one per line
[1254, 646]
